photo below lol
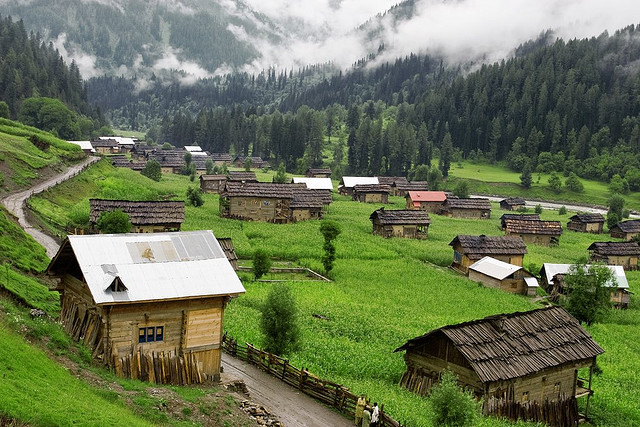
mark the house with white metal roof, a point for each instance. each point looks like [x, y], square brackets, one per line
[552, 277]
[134, 296]
[348, 182]
[84, 146]
[494, 273]
[314, 183]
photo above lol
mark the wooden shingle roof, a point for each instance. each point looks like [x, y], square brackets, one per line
[528, 216]
[242, 176]
[372, 188]
[391, 180]
[524, 226]
[140, 213]
[304, 198]
[631, 226]
[454, 203]
[507, 346]
[412, 186]
[316, 171]
[258, 189]
[616, 248]
[476, 247]
[401, 217]
[213, 177]
[513, 201]
[588, 218]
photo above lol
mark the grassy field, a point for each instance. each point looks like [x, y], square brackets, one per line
[498, 180]
[385, 291]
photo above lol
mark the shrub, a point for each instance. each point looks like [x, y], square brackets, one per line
[329, 230]
[261, 263]
[113, 222]
[555, 183]
[462, 189]
[525, 177]
[562, 210]
[588, 294]
[279, 321]
[152, 170]
[538, 209]
[573, 183]
[451, 405]
[194, 197]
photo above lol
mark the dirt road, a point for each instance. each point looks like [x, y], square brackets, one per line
[15, 204]
[293, 408]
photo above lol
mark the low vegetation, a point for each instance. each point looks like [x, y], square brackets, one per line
[386, 291]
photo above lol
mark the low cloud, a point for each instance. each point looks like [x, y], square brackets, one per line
[86, 62]
[192, 70]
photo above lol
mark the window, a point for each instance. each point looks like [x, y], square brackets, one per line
[150, 334]
[457, 257]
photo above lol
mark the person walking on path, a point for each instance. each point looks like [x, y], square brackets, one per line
[375, 415]
[360, 404]
[366, 417]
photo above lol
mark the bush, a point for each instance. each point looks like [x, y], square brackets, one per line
[462, 189]
[330, 230]
[261, 263]
[113, 222]
[589, 297]
[562, 210]
[573, 183]
[152, 170]
[555, 182]
[451, 405]
[194, 197]
[538, 209]
[279, 321]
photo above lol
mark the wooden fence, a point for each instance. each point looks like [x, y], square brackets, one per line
[160, 368]
[562, 413]
[327, 392]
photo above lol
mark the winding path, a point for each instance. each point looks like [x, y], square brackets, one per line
[293, 408]
[15, 203]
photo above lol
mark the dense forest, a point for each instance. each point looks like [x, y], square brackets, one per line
[565, 106]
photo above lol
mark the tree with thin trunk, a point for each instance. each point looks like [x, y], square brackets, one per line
[330, 230]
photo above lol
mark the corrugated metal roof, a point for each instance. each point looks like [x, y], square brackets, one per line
[549, 270]
[154, 266]
[351, 181]
[531, 282]
[494, 268]
[84, 145]
[193, 148]
[314, 183]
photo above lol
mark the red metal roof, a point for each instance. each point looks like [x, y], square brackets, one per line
[427, 196]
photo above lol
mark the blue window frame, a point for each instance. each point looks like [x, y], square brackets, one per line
[150, 334]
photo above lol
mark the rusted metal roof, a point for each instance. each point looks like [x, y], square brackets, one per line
[152, 266]
[508, 346]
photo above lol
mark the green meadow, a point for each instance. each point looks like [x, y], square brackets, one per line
[384, 291]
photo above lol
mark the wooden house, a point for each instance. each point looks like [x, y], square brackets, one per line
[430, 201]
[318, 173]
[626, 230]
[256, 162]
[145, 216]
[469, 249]
[586, 223]
[494, 273]
[526, 216]
[512, 203]
[85, 146]
[615, 253]
[466, 208]
[348, 182]
[238, 176]
[371, 193]
[545, 233]
[105, 146]
[212, 183]
[552, 280]
[400, 223]
[229, 251]
[221, 159]
[401, 189]
[171, 161]
[307, 204]
[314, 183]
[522, 357]
[257, 201]
[393, 182]
[141, 151]
[147, 305]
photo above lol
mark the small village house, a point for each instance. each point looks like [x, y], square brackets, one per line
[171, 161]
[552, 280]
[105, 146]
[466, 208]
[254, 161]
[145, 216]
[412, 224]
[545, 233]
[430, 201]
[401, 189]
[469, 249]
[256, 201]
[371, 193]
[512, 203]
[151, 306]
[125, 144]
[318, 173]
[626, 230]
[392, 182]
[85, 146]
[347, 183]
[615, 253]
[212, 183]
[522, 357]
[586, 223]
[494, 273]
[221, 159]
[525, 216]
[307, 204]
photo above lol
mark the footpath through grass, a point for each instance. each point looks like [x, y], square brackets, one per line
[386, 291]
